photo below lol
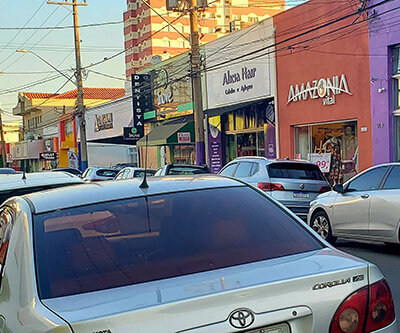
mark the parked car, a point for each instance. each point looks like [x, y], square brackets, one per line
[7, 171]
[187, 254]
[20, 184]
[130, 172]
[182, 169]
[73, 171]
[96, 174]
[293, 183]
[366, 207]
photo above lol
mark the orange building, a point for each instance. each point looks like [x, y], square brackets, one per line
[143, 41]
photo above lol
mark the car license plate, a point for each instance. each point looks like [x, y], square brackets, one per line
[301, 195]
[281, 328]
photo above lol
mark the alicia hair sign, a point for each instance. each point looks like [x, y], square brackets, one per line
[325, 88]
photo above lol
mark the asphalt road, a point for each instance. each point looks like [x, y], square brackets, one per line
[387, 259]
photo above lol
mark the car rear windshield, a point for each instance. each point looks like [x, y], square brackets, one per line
[106, 173]
[140, 173]
[132, 241]
[295, 171]
[187, 171]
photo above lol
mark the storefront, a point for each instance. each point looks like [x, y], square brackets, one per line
[240, 100]
[324, 110]
[169, 125]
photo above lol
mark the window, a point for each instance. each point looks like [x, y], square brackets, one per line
[106, 173]
[368, 181]
[243, 169]
[255, 169]
[140, 173]
[204, 230]
[228, 170]
[93, 247]
[295, 171]
[393, 180]
[120, 175]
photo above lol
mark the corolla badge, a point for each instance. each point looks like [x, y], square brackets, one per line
[241, 318]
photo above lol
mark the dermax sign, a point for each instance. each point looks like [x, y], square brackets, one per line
[325, 89]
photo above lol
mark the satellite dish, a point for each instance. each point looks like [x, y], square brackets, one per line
[156, 59]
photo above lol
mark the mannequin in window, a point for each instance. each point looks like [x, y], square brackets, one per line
[333, 145]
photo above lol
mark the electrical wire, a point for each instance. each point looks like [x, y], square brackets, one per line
[64, 27]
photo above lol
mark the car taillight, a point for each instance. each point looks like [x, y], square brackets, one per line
[381, 308]
[324, 189]
[350, 317]
[270, 187]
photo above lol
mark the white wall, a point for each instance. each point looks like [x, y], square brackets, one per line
[107, 155]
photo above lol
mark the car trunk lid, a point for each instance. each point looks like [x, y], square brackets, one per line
[301, 291]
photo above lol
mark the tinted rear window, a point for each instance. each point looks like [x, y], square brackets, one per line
[295, 171]
[186, 171]
[141, 173]
[115, 244]
[106, 173]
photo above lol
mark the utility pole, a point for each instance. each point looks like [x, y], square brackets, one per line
[196, 85]
[193, 6]
[80, 112]
[3, 143]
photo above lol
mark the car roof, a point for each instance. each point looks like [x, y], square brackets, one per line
[12, 182]
[123, 189]
[136, 169]
[194, 166]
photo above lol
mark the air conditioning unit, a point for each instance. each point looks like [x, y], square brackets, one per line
[175, 5]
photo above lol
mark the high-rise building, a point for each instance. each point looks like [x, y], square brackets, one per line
[148, 35]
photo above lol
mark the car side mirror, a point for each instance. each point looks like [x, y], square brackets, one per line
[339, 188]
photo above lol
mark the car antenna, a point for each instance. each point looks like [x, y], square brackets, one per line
[144, 182]
[23, 175]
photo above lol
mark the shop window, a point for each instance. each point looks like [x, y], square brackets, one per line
[339, 143]
[396, 60]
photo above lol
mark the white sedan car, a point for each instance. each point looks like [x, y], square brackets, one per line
[367, 207]
[185, 254]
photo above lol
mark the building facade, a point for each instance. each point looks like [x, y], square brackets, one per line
[384, 42]
[147, 35]
[323, 84]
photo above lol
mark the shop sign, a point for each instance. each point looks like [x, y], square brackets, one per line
[184, 137]
[103, 122]
[48, 156]
[130, 133]
[322, 160]
[215, 143]
[142, 102]
[324, 88]
[73, 161]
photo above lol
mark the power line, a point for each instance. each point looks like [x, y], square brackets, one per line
[64, 27]
[20, 30]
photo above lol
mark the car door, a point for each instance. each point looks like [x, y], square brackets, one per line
[351, 208]
[385, 208]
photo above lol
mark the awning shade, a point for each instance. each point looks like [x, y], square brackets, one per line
[167, 134]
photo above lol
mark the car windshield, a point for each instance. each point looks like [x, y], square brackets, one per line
[186, 170]
[295, 171]
[131, 241]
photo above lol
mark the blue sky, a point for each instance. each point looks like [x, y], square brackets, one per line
[56, 46]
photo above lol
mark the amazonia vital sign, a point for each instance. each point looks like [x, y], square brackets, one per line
[325, 88]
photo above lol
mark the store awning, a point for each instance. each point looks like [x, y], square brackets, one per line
[167, 134]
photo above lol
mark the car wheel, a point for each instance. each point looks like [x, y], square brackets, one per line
[321, 225]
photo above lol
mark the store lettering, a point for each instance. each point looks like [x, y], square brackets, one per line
[247, 74]
[164, 98]
[323, 88]
[246, 87]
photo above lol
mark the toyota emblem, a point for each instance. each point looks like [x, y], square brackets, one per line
[241, 318]
[302, 186]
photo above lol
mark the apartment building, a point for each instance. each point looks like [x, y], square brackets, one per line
[148, 36]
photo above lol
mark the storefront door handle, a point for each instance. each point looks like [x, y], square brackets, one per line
[365, 196]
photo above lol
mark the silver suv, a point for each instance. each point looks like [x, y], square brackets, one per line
[294, 183]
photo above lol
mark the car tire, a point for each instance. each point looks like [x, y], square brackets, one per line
[321, 225]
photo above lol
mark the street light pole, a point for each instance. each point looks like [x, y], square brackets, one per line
[80, 107]
[3, 143]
